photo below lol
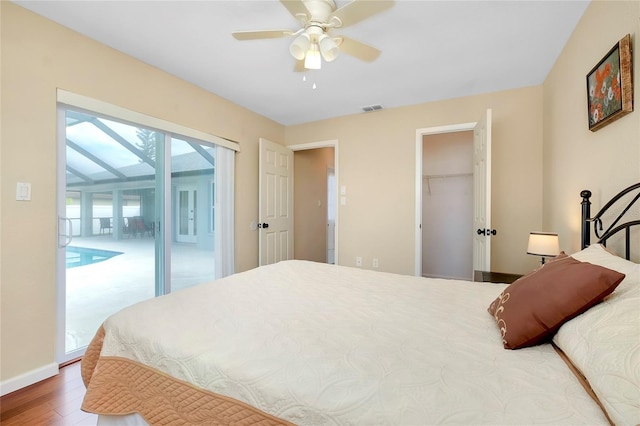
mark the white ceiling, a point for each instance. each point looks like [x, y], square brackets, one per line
[431, 50]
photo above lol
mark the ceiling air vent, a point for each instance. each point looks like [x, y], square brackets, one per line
[370, 108]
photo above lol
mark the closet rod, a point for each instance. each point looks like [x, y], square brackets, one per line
[446, 176]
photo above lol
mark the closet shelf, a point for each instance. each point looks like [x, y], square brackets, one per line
[445, 176]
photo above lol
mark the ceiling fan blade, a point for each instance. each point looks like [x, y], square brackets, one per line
[296, 8]
[357, 49]
[256, 35]
[358, 10]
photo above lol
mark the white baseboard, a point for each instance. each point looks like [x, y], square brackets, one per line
[29, 378]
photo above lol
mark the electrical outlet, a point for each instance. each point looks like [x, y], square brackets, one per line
[358, 261]
[375, 263]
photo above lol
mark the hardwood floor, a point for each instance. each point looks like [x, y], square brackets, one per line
[54, 401]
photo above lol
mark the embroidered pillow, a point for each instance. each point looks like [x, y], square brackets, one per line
[532, 308]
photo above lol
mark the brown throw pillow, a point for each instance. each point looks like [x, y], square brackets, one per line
[531, 309]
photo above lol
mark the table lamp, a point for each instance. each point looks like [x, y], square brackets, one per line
[543, 244]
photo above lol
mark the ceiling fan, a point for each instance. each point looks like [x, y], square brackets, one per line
[318, 18]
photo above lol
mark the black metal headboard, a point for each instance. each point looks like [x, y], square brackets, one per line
[622, 205]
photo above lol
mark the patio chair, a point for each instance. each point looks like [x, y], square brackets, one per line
[137, 226]
[105, 224]
[129, 227]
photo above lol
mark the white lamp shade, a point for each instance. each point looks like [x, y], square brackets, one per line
[312, 60]
[300, 46]
[328, 48]
[543, 244]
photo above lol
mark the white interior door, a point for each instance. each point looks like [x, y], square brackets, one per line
[276, 203]
[482, 193]
[186, 219]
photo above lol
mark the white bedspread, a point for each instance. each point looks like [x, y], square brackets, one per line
[321, 344]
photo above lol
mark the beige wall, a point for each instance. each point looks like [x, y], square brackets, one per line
[310, 203]
[37, 57]
[377, 166]
[575, 158]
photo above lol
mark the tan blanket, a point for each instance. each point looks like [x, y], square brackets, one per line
[119, 386]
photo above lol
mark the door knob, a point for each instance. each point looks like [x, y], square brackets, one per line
[488, 232]
[263, 225]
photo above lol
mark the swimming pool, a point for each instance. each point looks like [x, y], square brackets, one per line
[81, 256]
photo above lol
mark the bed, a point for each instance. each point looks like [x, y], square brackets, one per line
[313, 344]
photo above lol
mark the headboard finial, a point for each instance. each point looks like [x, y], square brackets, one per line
[585, 194]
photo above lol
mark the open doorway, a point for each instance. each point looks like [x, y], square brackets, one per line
[481, 173]
[447, 205]
[314, 209]
[310, 241]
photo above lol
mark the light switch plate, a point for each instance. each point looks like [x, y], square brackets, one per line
[23, 191]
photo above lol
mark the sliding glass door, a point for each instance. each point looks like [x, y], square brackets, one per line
[192, 180]
[136, 219]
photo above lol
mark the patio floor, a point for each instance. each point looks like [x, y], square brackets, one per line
[98, 290]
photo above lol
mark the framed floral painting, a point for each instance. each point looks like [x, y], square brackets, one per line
[610, 87]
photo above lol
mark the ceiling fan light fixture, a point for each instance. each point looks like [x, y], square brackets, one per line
[312, 60]
[328, 47]
[300, 46]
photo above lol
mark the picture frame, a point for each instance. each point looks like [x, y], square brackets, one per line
[610, 86]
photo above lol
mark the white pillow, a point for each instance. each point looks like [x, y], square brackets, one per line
[604, 342]
[599, 255]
